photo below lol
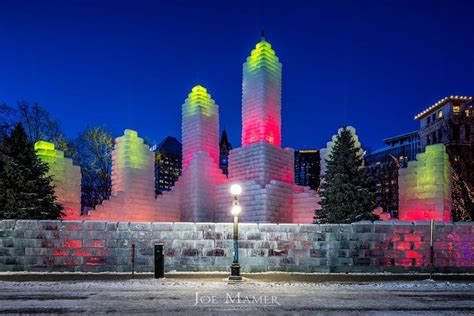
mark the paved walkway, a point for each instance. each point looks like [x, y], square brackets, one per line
[215, 295]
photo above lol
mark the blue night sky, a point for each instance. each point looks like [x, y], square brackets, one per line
[131, 64]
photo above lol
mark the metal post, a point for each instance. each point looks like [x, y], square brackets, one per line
[133, 261]
[236, 239]
[432, 238]
[159, 261]
[235, 268]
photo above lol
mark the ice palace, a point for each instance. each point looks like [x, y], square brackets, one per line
[261, 166]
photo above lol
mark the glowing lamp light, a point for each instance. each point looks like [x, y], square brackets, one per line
[236, 189]
[236, 210]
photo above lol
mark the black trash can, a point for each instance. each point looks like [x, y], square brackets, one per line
[159, 261]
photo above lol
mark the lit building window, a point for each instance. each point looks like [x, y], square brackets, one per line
[440, 114]
[456, 108]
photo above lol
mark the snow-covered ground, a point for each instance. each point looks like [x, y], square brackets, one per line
[217, 296]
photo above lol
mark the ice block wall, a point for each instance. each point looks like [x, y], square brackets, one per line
[133, 184]
[425, 186]
[100, 246]
[261, 162]
[265, 173]
[66, 178]
[197, 189]
[269, 203]
[305, 203]
[261, 96]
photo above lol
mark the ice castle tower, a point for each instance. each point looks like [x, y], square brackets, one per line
[264, 169]
[194, 194]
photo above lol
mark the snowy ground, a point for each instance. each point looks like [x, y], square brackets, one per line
[216, 296]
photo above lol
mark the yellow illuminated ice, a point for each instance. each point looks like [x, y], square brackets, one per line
[66, 177]
[424, 186]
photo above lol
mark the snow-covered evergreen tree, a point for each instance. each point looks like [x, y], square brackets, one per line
[26, 191]
[347, 193]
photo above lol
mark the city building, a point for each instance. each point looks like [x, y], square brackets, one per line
[167, 163]
[224, 148]
[383, 165]
[307, 168]
[450, 122]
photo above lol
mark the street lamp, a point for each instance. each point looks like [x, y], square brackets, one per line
[235, 190]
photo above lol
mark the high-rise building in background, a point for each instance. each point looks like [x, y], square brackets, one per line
[307, 168]
[224, 148]
[168, 156]
[383, 165]
[450, 122]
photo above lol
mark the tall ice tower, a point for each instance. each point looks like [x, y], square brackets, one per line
[194, 194]
[200, 126]
[264, 169]
[261, 96]
[201, 173]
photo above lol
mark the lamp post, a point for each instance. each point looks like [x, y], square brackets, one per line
[235, 189]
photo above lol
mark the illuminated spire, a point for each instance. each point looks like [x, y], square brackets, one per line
[200, 125]
[261, 96]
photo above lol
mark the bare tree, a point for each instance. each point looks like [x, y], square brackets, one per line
[92, 150]
[36, 120]
[461, 167]
[7, 118]
[39, 125]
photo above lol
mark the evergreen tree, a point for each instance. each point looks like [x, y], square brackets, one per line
[26, 191]
[347, 193]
